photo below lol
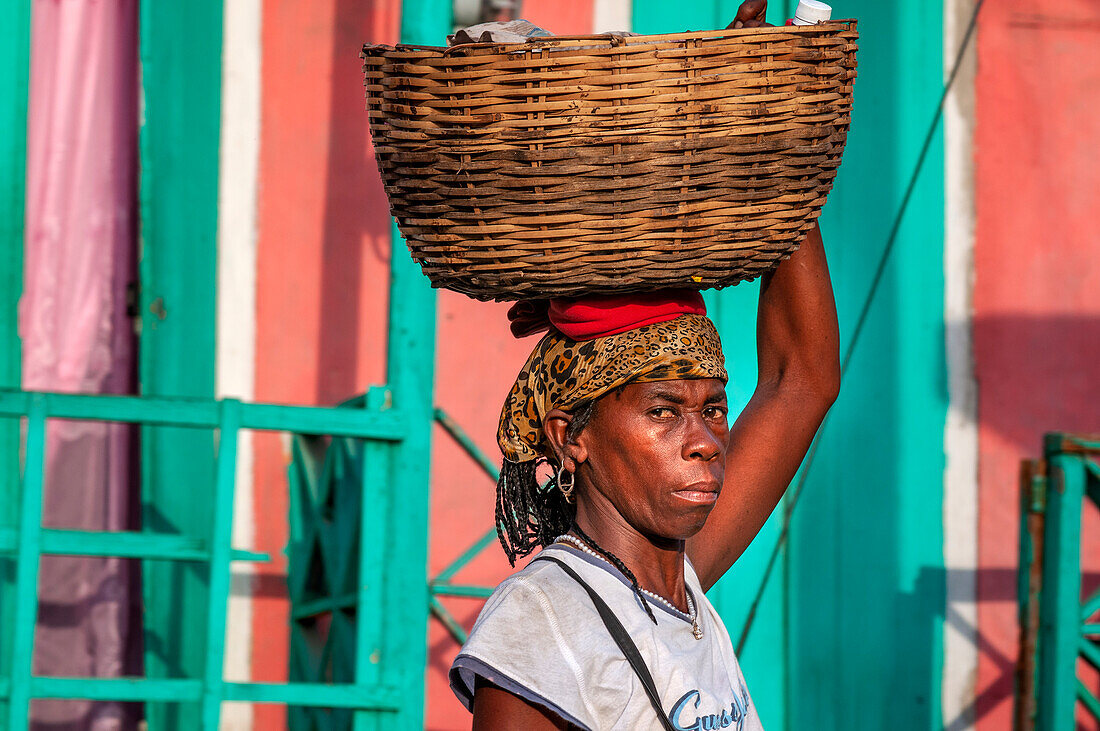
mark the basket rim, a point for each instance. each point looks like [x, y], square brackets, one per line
[612, 40]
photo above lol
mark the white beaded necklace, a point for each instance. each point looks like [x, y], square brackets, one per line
[693, 615]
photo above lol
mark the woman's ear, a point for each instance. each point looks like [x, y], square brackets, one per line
[555, 425]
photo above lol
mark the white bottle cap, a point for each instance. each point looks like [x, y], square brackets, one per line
[811, 12]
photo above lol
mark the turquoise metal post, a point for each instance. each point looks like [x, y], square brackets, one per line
[26, 572]
[411, 375]
[220, 537]
[374, 520]
[1060, 602]
[15, 31]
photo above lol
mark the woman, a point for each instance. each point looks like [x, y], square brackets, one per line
[653, 498]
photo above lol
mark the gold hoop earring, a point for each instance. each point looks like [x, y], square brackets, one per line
[566, 490]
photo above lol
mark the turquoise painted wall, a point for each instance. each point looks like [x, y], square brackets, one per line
[866, 584]
[180, 46]
[848, 634]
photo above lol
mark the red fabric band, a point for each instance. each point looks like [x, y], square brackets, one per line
[588, 318]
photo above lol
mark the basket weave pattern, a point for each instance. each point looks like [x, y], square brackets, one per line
[569, 166]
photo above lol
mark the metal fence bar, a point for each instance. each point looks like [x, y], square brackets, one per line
[185, 690]
[467, 556]
[1059, 611]
[468, 445]
[1033, 485]
[1090, 607]
[374, 521]
[1091, 702]
[220, 537]
[163, 690]
[463, 590]
[1090, 652]
[388, 425]
[335, 695]
[122, 544]
[452, 625]
[26, 562]
[373, 424]
[440, 585]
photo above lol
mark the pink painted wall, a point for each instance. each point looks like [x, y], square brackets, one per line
[1037, 294]
[76, 334]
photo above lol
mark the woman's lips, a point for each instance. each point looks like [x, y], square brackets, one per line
[699, 494]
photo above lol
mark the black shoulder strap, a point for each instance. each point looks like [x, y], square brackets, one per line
[622, 639]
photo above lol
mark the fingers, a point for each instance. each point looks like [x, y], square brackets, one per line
[750, 14]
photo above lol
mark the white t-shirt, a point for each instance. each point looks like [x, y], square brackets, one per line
[540, 637]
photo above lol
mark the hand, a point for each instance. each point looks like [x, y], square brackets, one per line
[750, 15]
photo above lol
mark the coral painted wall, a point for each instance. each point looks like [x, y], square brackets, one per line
[1037, 293]
[322, 258]
[321, 299]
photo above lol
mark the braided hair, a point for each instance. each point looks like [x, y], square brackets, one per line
[530, 515]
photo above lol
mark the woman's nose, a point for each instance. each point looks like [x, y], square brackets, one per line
[700, 442]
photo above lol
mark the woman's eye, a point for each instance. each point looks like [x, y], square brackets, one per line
[662, 412]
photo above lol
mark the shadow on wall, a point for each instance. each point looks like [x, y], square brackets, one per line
[1036, 373]
[356, 224]
[1002, 590]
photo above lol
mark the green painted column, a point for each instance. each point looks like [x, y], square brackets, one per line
[866, 580]
[14, 74]
[180, 46]
[411, 376]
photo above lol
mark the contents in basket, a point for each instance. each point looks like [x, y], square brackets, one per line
[811, 12]
[515, 31]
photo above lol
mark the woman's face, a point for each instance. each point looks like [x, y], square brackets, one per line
[656, 452]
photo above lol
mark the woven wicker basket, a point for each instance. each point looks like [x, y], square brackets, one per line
[569, 166]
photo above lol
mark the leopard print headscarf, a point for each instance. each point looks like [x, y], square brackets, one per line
[561, 373]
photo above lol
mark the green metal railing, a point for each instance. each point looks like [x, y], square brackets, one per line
[364, 691]
[333, 499]
[442, 584]
[1058, 625]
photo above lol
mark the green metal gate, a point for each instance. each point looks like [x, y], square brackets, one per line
[1058, 626]
[383, 678]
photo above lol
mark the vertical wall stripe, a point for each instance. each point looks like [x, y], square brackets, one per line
[236, 333]
[612, 15]
[180, 52]
[960, 504]
[15, 34]
[14, 74]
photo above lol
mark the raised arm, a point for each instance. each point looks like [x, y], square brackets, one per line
[799, 376]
